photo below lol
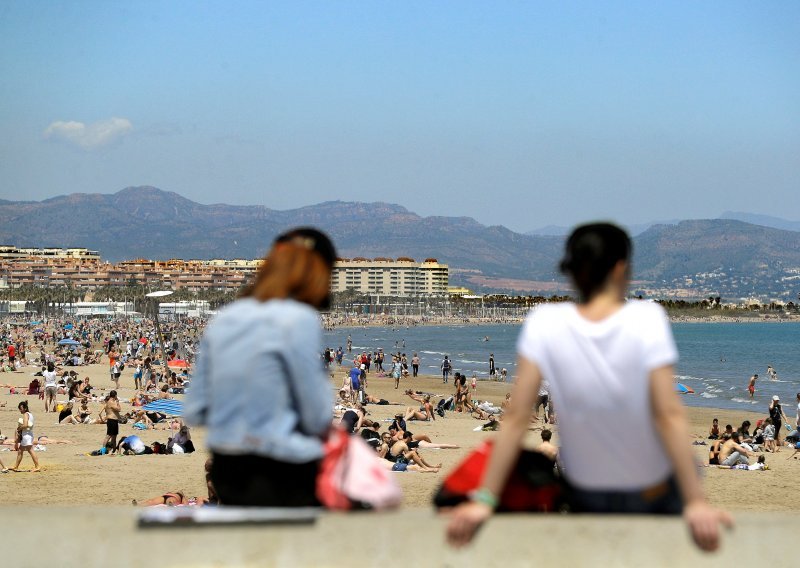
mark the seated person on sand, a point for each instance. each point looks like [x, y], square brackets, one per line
[424, 412]
[66, 417]
[86, 388]
[400, 452]
[181, 442]
[714, 432]
[84, 414]
[547, 448]
[417, 440]
[164, 394]
[75, 391]
[731, 453]
[713, 452]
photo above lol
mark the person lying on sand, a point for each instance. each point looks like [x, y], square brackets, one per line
[170, 499]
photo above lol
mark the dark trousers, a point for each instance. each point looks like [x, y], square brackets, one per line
[662, 499]
[256, 481]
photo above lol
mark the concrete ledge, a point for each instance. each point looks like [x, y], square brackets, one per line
[88, 537]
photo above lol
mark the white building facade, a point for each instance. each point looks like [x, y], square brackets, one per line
[388, 277]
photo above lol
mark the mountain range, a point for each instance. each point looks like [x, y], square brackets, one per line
[146, 222]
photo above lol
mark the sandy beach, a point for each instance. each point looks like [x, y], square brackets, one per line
[70, 477]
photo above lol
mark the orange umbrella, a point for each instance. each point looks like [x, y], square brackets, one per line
[180, 363]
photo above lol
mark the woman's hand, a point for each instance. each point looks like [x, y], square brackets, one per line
[465, 521]
[704, 521]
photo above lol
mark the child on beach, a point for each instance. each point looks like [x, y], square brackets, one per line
[769, 435]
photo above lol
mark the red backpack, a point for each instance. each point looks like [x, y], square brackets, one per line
[533, 486]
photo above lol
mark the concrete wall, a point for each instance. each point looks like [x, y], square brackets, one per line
[87, 537]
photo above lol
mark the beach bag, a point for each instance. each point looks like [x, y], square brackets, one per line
[351, 476]
[533, 485]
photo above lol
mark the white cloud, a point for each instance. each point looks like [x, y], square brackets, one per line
[88, 136]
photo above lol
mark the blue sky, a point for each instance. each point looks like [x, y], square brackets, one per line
[516, 113]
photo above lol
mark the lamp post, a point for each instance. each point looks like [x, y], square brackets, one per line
[161, 294]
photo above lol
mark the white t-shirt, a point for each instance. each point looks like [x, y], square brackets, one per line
[50, 378]
[598, 373]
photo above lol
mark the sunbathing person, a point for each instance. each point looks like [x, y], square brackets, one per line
[425, 412]
[399, 451]
[171, 499]
[402, 466]
[66, 417]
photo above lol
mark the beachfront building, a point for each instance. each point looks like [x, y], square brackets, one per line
[12, 252]
[391, 277]
[91, 274]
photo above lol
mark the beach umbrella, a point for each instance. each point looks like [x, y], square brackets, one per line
[68, 326]
[68, 342]
[179, 363]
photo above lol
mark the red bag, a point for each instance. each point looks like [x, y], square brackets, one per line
[533, 485]
[351, 476]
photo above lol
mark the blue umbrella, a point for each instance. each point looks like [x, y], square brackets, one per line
[69, 342]
[68, 326]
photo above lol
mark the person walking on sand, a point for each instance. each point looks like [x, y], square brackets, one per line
[751, 387]
[415, 365]
[25, 437]
[446, 366]
[611, 362]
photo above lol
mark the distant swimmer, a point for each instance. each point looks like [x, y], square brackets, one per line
[751, 388]
[486, 338]
[773, 376]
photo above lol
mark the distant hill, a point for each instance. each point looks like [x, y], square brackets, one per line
[764, 220]
[146, 222]
[150, 223]
[634, 230]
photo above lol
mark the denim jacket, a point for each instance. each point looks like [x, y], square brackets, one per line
[258, 383]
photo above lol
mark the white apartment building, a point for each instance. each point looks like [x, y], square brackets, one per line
[12, 252]
[388, 277]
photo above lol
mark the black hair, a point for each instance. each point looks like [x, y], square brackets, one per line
[546, 435]
[23, 404]
[50, 367]
[591, 253]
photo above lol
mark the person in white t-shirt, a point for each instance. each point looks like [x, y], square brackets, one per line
[610, 362]
[50, 377]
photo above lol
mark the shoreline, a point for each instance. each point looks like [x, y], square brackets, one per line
[397, 322]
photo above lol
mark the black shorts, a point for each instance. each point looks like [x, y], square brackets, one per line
[11, 359]
[112, 427]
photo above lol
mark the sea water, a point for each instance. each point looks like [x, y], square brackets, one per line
[716, 359]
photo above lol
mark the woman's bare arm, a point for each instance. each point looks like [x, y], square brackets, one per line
[670, 420]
